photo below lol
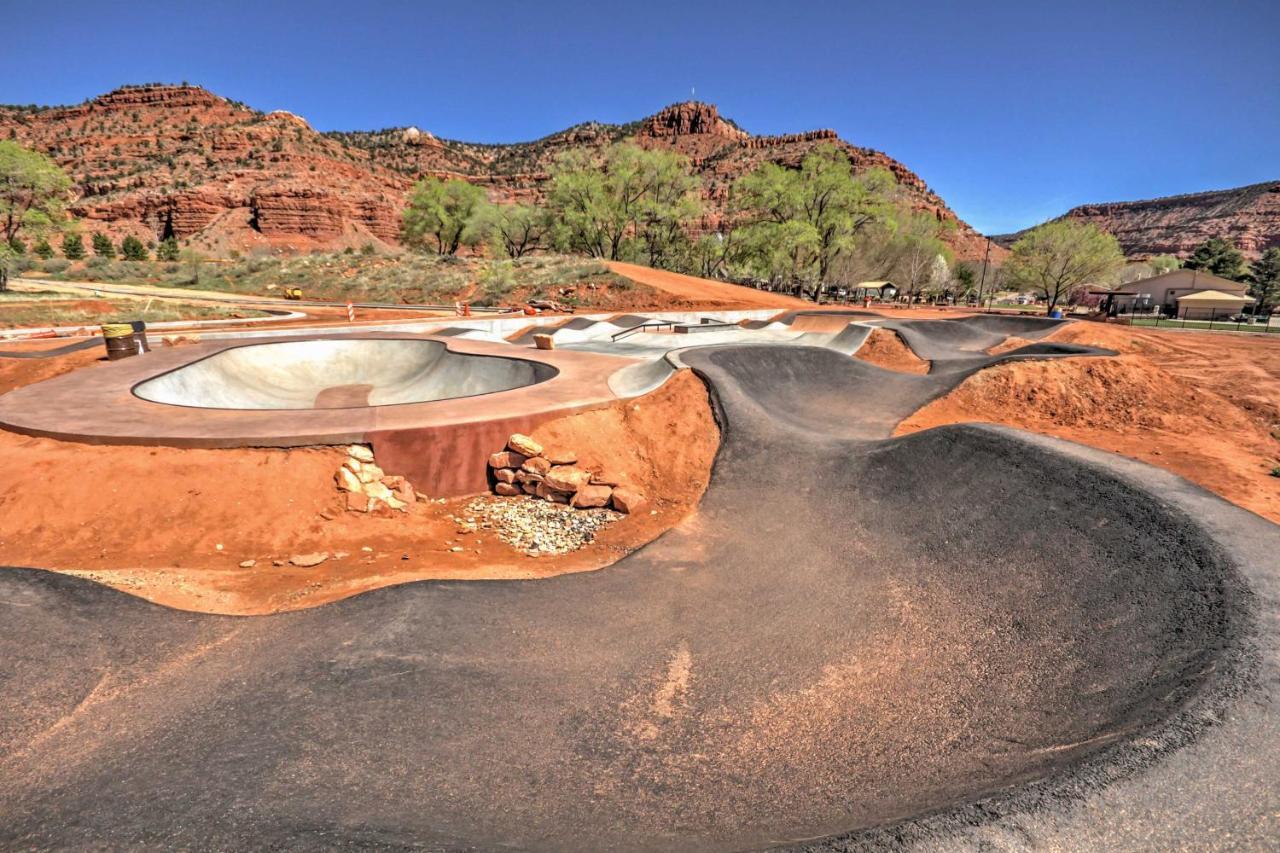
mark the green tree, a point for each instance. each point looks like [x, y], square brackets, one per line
[635, 196]
[1056, 258]
[799, 222]
[1162, 264]
[32, 190]
[1265, 280]
[440, 214]
[965, 280]
[17, 245]
[513, 229]
[133, 249]
[102, 246]
[167, 250]
[917, 245]
[72, 246]
[1218, 257]
[43, 249]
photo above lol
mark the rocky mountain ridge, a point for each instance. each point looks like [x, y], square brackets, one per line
[177, 160]
[1248, 217]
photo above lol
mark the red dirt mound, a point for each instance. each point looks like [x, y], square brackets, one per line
[1128, 405]
[884, 348]
[150, 521]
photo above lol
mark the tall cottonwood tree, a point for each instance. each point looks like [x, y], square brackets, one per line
[513, 229]
[634, 197]
[1056, 258]
[797, 222]
[440, 215]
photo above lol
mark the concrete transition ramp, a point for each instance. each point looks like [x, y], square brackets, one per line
[951, 638]
[328, 374]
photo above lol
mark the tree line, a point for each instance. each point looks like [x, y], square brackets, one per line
[810, 228]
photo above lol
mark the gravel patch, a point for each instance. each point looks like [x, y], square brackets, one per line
[539, 527]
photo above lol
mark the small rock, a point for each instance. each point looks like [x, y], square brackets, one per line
[378, 492]
[560, 456]
[607, 477]
[524, 445]
[406, 494]
[526, 477]
[370, 473]
[393, 481]
[360, 453]
[357, 502]
[248, 564]
[366, 549]
[218, 547]
[589, 496]
[338, 555]
[529, 488]
[347, 480]
[504, 475]
[536, 465]
[306, 561]
[456, 548]
[506, 489]
[507, 459]
[567, 478]
[628, 500]
[277, 562]
[326, 514]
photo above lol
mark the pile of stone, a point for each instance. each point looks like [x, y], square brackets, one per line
[538, 527]
[527, 468]
[368, 487]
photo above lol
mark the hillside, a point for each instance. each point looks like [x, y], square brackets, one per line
[161, 160]
[1248, 216]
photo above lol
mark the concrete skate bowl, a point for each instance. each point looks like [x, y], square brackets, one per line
[855, 638]
[336, 374]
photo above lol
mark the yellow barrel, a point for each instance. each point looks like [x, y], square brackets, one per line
[119, 340]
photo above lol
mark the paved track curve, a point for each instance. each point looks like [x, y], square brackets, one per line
[854, 639]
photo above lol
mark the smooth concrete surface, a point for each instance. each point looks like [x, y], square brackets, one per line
[313, 375]
[965, 638]
[96, 405]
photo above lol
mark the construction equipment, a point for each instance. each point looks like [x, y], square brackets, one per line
[293, 293]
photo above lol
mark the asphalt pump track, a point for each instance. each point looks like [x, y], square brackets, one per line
[969, 636]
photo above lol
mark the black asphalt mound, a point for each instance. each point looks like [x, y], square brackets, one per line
[849, 634]
[51, 353]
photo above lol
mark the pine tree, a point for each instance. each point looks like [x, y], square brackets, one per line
[43, 249]
[72, 247]
[133, 249]
[167, 250]
[102, 246]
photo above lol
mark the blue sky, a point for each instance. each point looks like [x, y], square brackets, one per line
[1012, 111]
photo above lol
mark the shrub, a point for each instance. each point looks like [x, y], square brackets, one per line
[102, 246]
[16, 244]
[43, 249]
[72, 247]
[368, 249]
[55, 265]
[133, 249]
[167, 250]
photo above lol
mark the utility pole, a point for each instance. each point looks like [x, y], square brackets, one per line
[985, 260]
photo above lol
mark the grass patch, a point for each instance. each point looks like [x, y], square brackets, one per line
[399, 278]
[46, 311]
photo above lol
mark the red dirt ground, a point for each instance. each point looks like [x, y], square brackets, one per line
[705, 293]
[149, 520]
[884, 348]
[1205, 406]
